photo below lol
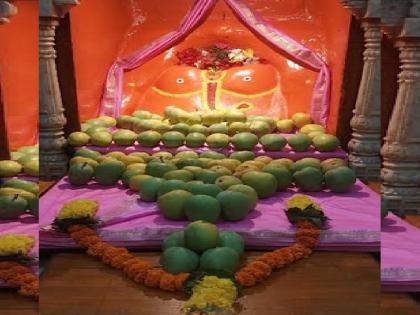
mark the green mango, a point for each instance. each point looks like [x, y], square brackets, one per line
[264, 184]
[109, 172]
[245, 141]
[158, 169]
[170, 185]
[9, 168]
[309, 179]
[31, 168]
[235, 206]
[171, 204]
[174, 239]
[232, 240]
[177, 260]
[220, 259]
[12, 206]
[273, 142]
[202, 207]
[22, 184]
[80, 174]
[282, 175]
[340, 179]
[78, 139]
[87, 153]
[149, 189]
[200, 236]
[203, 189]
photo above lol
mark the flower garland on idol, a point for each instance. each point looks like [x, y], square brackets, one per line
[14, 250]
[219, 56]
[211, 291]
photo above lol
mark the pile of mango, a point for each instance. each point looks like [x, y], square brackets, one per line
[18, 197]
[216, 129]
[201, 246]
[220, 186]
[24, 161]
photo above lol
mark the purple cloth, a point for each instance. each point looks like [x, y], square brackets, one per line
[285, 45]
[27, 225]
[354, 225]
[259, 151]
[400, 255]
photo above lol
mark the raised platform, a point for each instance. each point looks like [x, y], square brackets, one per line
[400, 255]
[354, 224]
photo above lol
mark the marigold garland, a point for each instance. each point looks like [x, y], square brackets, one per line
[138, 270]
[13, 250]
[142, 272]
[262, 267]
[21, 277]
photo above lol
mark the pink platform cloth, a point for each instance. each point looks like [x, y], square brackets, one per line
[112, 96]
[354, 225]
[27, 225]
[400, 255]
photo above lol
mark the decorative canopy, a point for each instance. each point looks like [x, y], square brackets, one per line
[290, 48]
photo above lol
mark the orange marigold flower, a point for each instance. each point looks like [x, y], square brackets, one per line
[76, 227]
[89, 241]
[153, 277]
[167, 282]
[96, 250]
[78, 235]
[262, 266]
[132, 269]
[245, 279]
[180, 279]
[118, 261]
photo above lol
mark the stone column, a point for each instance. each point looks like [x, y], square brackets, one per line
[7, 10]
[53, 158]
[401, 150]
[365, 144]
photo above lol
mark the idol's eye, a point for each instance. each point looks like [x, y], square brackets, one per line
[247, 78]
[180, 80]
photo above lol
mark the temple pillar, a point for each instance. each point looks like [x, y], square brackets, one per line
[364, 146]
[401, 150]
[53, 158]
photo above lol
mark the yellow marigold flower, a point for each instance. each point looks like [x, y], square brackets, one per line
[212, 294]
[301, 202]
[15, 244]
[79, 208]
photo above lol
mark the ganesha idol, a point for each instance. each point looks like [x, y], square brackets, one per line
[221, 79]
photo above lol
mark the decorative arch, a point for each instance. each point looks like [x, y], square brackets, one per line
[285, 45]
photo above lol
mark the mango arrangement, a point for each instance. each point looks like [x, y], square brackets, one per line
[24, 161]
[212, 183]
[215, 129]
[18, 197]
[201, 246]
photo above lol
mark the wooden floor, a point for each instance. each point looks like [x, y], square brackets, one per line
[327, 284]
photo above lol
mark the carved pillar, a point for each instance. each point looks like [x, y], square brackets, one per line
[365, 144]
[401, 150]
[53, 158]
[7, 9]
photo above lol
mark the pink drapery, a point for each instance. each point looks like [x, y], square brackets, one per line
[303, 56]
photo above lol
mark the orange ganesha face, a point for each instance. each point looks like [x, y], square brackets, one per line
[253, 88]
